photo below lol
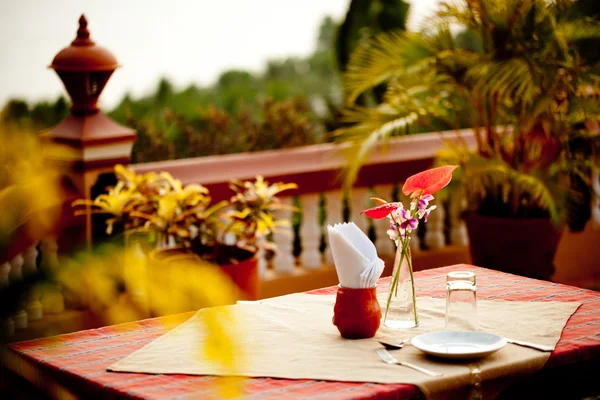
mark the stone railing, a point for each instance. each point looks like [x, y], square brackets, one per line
[304, 260]
[39, 305]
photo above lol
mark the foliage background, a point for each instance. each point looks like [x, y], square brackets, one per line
[292, 103]
[296, 100]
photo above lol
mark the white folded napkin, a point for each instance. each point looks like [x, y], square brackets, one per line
[354, 255]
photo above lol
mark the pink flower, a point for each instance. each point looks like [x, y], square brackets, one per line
[426, 215]
[411, 223]
[428, 182]
[424, 201]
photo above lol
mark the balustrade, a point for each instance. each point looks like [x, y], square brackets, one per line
[39, 301]
[434, 233]
[310, 232]
[458, 228]
[284, 257]
[333, 215]
[316, 170]
[385, 246]
[359, 201]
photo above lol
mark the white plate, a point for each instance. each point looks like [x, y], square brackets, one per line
[458, 344]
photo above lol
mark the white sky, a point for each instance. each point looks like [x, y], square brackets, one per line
[185, 40]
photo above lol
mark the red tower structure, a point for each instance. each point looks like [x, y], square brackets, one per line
[94, 142]
[97, 142]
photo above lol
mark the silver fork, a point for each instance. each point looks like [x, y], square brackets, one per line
[389, 359]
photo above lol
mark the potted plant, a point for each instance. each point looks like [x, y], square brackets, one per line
[515, 75]
[188, 227]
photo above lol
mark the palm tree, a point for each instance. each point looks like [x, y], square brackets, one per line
[519, 69]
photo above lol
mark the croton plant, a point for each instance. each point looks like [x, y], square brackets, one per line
[184, 215]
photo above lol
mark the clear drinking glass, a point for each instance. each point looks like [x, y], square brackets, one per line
[461, 301]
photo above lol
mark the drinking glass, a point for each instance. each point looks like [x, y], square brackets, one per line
[461, 301]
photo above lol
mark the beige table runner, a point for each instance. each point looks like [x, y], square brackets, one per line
[293, 337]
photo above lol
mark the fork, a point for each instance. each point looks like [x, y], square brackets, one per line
[393, 346]
[389, 359]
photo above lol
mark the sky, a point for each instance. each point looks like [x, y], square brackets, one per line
[188, 41]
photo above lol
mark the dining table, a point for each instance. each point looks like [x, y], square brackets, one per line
[75, 365]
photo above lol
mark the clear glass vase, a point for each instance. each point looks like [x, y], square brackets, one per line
[400, 311]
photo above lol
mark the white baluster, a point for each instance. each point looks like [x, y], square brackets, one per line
[310, 232]
[135, 274]
[284, 259]
[52, 299]
[458, 228]
[596, 213]
[34, 306]
[415, 241]
[434, 236]
[7, 327]
[262, 262]
[385, 246]
[16, 271]
[333, 206]
[4, 275]
[49, 250]
[30, 261]
[15, 276]
[20, 319]
[359, 202]
[595, 201]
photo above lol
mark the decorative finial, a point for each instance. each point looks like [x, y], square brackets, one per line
[83, 35]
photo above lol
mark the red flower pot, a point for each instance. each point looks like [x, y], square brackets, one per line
[356, 313]
[521, 246]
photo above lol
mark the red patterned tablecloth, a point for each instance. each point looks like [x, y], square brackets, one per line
[74, 365]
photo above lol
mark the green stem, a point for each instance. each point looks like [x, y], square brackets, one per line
[394, 284]
[396, 277]
[412, 282]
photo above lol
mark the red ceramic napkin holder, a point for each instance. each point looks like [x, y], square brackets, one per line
[356, 313]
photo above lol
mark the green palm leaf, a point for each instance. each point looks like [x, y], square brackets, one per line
[386, 56]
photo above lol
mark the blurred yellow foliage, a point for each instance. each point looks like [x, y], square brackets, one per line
[120, 285]
[116, 283]
[30, 192]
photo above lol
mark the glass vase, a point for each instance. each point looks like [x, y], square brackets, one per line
[400, 310]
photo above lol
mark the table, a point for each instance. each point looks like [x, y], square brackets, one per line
[74, 365]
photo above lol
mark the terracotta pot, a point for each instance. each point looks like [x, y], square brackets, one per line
[243, 274]
[521, 246]
[356, 313]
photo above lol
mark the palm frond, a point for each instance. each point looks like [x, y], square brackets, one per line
[385, 56]
[516, 192]
[454, 12]
[371, 127]
[573, 31]
[504, 80]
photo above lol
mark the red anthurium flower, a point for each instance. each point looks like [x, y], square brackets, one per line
[381, 211]
[428, 182]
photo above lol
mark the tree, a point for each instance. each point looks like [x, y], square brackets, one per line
[527, 74]
[164, 91]
[15, 112]
[326, 38]
[198, 121]
[364, 19]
